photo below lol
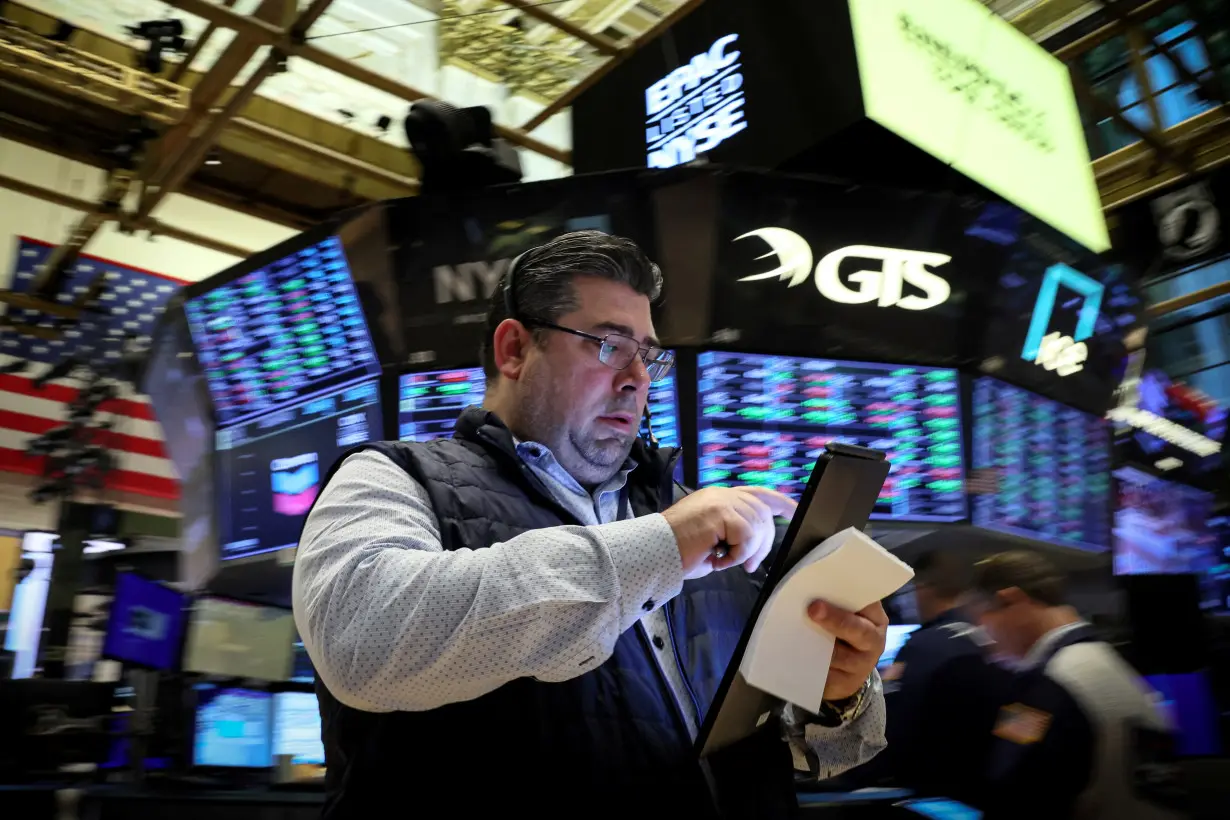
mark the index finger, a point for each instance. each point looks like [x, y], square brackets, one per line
[779, 503]
[875, 613]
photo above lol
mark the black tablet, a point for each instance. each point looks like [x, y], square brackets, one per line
[841, 493]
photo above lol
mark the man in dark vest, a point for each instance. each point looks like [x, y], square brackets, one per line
[532, 615]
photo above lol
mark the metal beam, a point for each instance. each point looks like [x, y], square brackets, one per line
[273, 36]
[564, 100]
[1159, 309]
[1150, 136]
[601, 44]
[180, 70]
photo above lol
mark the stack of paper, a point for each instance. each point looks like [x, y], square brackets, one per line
[788, 655]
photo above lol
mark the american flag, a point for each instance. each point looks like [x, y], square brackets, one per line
[130, 304]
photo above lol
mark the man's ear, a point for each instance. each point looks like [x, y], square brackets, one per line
[510, 344]
[1011, 595]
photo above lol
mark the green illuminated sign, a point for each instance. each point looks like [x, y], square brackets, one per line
[965, 86]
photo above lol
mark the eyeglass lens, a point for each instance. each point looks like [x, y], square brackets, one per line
[618, 352]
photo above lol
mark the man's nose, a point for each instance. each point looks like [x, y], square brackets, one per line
[634, 376]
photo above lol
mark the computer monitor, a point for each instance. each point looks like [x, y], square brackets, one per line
[895, 638]
[233, 728]
[296, 728]
[270, 468]
[236, 639]
[146, 624]
[764, 420]
[1050, 466]
[282, 333]
[1163, 527]
[25, 625]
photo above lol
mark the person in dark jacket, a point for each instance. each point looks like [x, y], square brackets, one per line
[532, 615]
[941, 692]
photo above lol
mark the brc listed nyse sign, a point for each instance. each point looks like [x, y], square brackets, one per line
[695, 107]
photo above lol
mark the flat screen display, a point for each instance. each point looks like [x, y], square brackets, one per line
[302, 670]
[233, 728]
[296, 728]
[146, 623]
[764, 420]
[429, 404]
[270, 468]
[1051, 468]
[281, 333]
[234, 639]
[24, 630]
[1163, 527]
[897, 635]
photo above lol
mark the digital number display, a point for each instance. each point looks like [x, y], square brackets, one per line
[429, 404]
[764, 420]
[280, 333]
[1051, 465]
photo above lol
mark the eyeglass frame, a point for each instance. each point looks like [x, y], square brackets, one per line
[641, 351]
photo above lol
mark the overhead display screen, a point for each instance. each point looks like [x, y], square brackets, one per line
[764, 420]
[234, 639]
[1051, 465]
[281, 333]
[233, 728]
[967, 87]
[429, 404]
[270, 468]
[145, 624]
[1059, 329]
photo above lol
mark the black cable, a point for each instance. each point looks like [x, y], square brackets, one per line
[503, 10]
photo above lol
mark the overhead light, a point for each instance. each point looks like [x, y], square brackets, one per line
[163, 35]
[213, 158]
[383, 123]
[1168, 463]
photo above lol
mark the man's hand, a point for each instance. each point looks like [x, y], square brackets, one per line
[860, 642]
[742, 517]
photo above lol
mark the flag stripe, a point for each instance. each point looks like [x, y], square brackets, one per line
[135, 462]
[42, 408]
[110, 439]
[64, 394]
[16, 461]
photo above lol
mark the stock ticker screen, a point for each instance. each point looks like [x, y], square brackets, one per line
[280, 333]
[429, 404]
[764, 420]
[1052, 465]
[270, 468]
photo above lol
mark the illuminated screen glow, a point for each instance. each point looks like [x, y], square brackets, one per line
[764, 420]
[965, 86]
[429, 404]
[1052, 467]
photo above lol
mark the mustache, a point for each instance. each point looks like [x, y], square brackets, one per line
[628, 406]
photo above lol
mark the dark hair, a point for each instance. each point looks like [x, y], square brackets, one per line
[544, 280]
[1027, 571]
[943, 571]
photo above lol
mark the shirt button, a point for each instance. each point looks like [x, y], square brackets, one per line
[658, 642]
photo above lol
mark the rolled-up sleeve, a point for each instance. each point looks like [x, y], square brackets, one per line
[392, 621]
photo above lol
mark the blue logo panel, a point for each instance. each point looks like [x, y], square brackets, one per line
[1056, 275]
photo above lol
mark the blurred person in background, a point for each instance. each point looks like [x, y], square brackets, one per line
[941, 694]
[1060, 741]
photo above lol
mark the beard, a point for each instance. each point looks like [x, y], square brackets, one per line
[589, 451]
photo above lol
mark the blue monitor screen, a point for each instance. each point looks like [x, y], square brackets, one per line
[146, 623]
[764, 420]
[429, 404]
[270, 468]
[233, 728]
[302, 670]
[281, 333]
[1049, 467]
[296, 727]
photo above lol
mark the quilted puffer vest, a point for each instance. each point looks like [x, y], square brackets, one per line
[610, 742]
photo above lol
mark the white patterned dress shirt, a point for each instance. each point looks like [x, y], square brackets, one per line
[548, 604]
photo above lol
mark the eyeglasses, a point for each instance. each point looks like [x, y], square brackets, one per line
[617, 351]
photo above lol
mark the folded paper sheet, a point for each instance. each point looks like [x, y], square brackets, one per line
[788, 655]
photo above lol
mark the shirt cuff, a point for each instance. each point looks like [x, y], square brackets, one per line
[840, 748]
[647, 564]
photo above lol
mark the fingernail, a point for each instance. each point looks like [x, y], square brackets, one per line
[817, 609]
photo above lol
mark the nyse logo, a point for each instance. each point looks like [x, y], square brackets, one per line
[467, 281]
[1064, 355]
[882, 285]
[696, 107]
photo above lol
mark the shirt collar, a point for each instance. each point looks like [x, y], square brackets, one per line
[540, 458]
[1042, 648]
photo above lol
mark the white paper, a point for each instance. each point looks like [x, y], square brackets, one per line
[788, 655]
